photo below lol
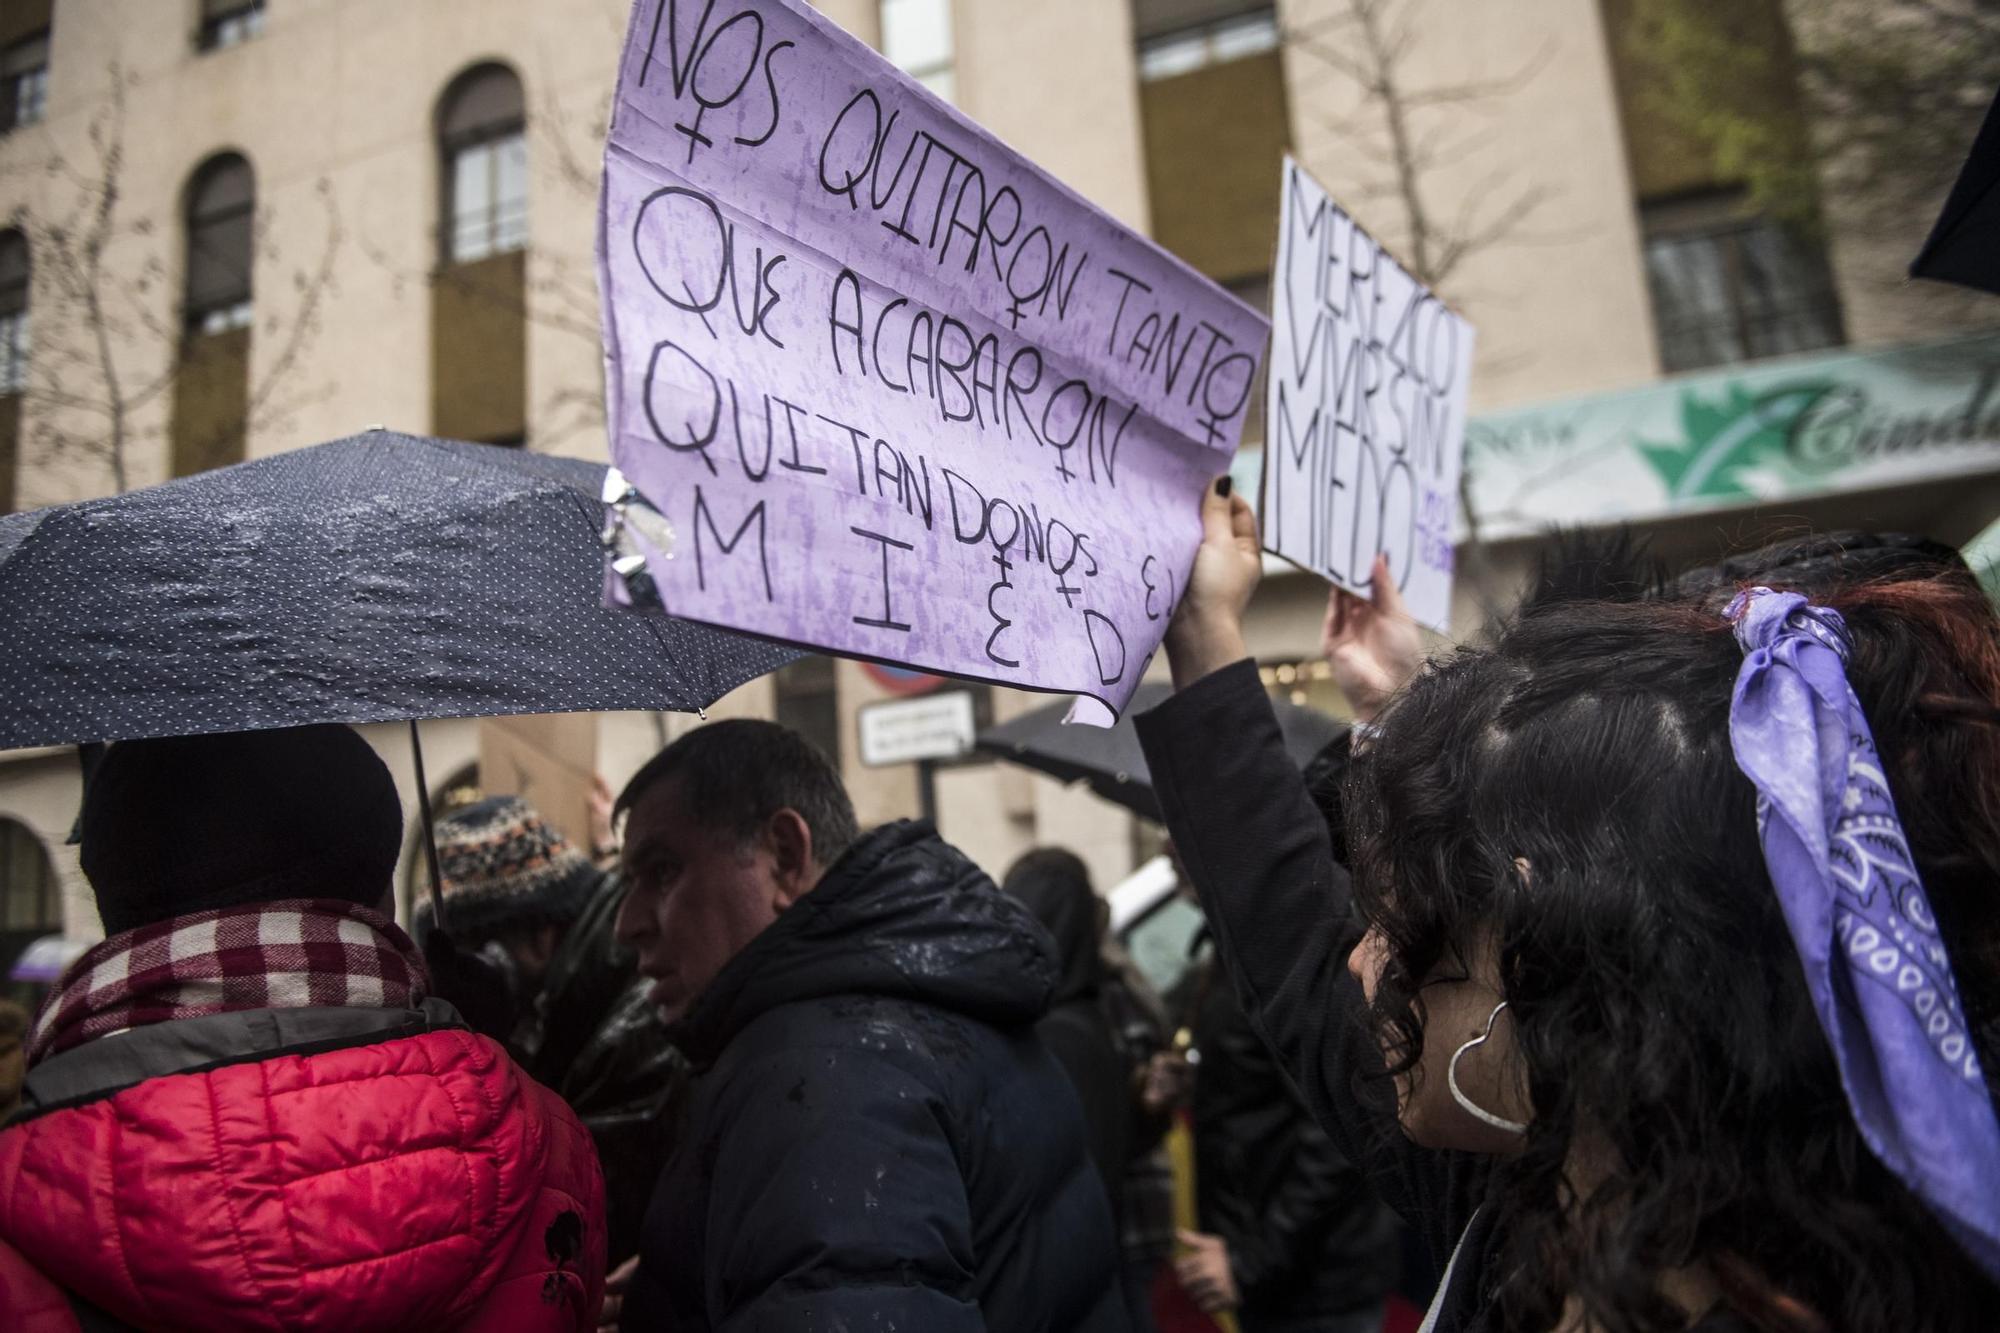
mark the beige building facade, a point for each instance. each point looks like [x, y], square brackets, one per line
[246, 227]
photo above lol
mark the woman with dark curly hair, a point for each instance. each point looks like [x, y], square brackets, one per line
[1676, 984]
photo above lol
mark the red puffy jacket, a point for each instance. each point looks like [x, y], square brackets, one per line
[421, 1182]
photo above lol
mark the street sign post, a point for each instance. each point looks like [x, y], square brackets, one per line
[920, 730]
[930, 726]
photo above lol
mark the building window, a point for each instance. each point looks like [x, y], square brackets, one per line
[24, 82]
[222, 208]
[482, 133]
[916, 37]
[809, 704]
[14, 275]
[1179, 37]
[226, 23]
[1730, 287]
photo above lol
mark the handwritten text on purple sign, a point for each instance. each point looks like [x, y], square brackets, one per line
[898, 393]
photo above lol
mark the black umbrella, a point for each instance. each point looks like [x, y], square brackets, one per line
[1964, 246]
[1109, 758]
[378, 578]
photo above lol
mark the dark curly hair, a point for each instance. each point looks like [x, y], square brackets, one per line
[1660, 1011]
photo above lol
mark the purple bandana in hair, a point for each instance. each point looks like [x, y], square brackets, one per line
[1880, 980]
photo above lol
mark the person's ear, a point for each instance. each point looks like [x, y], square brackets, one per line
[790, 841]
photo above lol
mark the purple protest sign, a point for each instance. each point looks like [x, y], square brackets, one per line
[895, 392]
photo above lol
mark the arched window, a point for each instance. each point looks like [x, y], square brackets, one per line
[482, 137]
[30, 908]
[14, 274]
[221, 215]
[29, 897]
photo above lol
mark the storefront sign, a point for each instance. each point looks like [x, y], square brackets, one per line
[1786, 430]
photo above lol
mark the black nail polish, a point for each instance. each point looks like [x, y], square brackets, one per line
[1222, 486]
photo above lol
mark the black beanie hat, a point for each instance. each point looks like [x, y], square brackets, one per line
[188, 823]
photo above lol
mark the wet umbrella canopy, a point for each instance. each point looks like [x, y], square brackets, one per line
[1109, 758]
[378, 578]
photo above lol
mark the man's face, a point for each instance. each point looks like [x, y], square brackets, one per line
[696, 896]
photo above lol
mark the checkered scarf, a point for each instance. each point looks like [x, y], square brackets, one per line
[300, 953]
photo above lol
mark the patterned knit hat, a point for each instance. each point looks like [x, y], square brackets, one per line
[505, 869]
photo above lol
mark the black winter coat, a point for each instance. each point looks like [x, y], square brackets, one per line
[876, 1138]
[1078, 1030]
[598, 1041]
[1307, 1236]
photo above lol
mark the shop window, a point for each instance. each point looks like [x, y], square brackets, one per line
[221, 215]
[1729, 286]
[917, 39]
[1181, 36]
[226, 23]
[808, 703]
[1309, 684]
[14, 275]
[24, 82]
[483, 136]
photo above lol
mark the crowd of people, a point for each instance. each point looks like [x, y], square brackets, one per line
[1635, 969]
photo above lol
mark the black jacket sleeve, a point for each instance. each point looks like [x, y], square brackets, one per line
[1319, 1191]
[1260, 856]
[840, 1211]
[1077, 1036]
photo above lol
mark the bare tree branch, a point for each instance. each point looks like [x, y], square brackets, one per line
[559, 292]
[1414, 132]
[115, 346]
[304, 327]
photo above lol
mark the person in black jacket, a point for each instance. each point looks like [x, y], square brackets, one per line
[876, 1138]
[1291, 1238]
[582, 1025]
[1650, 1133]
[1055, 885]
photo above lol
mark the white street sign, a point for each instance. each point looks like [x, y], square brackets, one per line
[933, 726]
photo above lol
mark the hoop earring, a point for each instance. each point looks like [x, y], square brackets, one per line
[1471, 1107]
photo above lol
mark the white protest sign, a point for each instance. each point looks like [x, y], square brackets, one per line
[1365, 432]
[895, 392]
